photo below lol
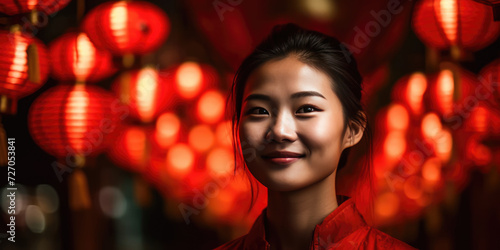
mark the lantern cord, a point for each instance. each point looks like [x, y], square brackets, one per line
[79, 198]
[431, 59]
[3, 146]
[80, 9]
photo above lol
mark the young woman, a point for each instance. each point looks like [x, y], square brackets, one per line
[296, 103]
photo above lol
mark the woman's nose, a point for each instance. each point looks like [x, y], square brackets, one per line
[282, 128]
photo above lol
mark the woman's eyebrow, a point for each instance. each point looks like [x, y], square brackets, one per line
[293, 96]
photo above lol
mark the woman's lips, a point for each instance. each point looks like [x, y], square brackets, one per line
[282, 160]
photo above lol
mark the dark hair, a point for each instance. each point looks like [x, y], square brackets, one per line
[317, 50]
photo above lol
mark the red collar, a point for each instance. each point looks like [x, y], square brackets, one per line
[341, 222]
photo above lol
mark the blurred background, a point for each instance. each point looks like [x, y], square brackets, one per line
[117, 110]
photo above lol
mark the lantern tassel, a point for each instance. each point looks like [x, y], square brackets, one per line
[125, 80]
[8, 105]
[33, 65]
[80, 9]
[34, 17]
[79, 198]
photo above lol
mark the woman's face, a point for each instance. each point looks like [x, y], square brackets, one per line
[290, 106]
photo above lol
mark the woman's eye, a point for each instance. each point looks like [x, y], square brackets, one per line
[252, 111]
[308, 109]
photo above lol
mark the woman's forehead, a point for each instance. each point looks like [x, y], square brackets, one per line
[287, 75]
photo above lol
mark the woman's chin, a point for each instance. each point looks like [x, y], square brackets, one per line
[281, 184]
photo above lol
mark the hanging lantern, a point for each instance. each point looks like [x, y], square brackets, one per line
[75, 58]
[191, 78]
[219, 161]
[13, 7]
[180, 160]
[168, 126]
[72, 120]
[483, 120]
[147, 92]
[444, 24]
[395, 117]
[201, 137]
[132, 148]
[210, 106]
[123, 27]
[451, 91]
[24, 68]
[410, 91]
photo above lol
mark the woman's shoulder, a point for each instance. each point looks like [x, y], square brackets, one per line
[345, 228]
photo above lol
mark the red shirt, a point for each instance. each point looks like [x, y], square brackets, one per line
[343, 228]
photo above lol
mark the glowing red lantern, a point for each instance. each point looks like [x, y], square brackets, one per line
[75, 58]
[191, 78]
[201, 137]
[132, 148]
[410, 90]
[395, 117]
[483, 120]
[219, 161]
[393, 123]
[452, 90]
[13, 7]
[145, 91]
[210, 106]
[180, 160]
[72, 120]
[462, 23]
[123, 27]
[168, 129]
[24, 66]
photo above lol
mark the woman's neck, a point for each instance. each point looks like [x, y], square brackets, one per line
[292, 216]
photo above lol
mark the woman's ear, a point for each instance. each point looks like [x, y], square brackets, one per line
[354, 132]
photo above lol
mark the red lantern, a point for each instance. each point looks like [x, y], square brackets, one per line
[132, 148]
[123, 27]
[210, 106]
[410, 90]
[24, 66]
[452, 91]
[145, 91]
[192, 78]
[462, 23]
[483, 120]
[13, 7]
[73, 120]
[168, 129]
[75, 58]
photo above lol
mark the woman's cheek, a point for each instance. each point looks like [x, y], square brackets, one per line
[249, 136]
